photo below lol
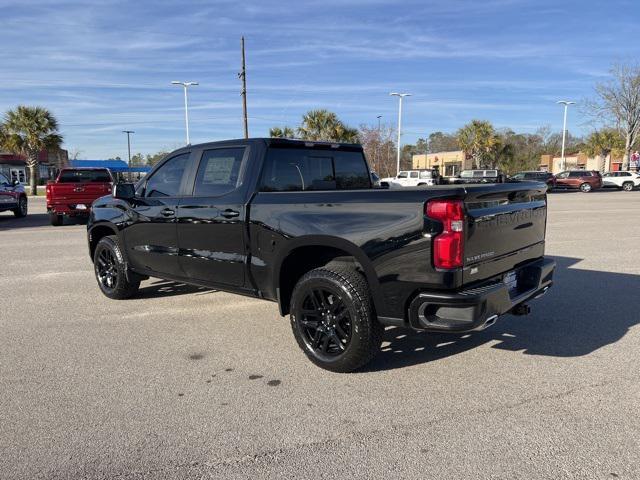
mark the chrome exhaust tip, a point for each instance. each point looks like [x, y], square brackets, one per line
[489, 321]
[544, 291]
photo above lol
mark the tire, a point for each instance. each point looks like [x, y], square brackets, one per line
[22, 209]
[332, 318]
[111, 270]
[627, 186]
[56, 219]
[585, 187]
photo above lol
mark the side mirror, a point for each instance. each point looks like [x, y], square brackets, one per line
[124, 191]
[15, 183]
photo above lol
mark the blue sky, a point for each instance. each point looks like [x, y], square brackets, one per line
[106, 66]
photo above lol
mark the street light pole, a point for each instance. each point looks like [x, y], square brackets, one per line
[378, 142]
[129, 132]
[400, 97]
[186, 85]
[566, 104]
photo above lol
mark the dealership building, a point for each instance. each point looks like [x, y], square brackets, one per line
[15, 167]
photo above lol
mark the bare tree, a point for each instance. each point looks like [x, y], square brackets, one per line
[379, 148]
[618, 102]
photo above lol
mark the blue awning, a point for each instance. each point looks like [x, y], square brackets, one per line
[119, 166]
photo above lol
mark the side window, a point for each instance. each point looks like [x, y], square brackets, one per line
[562, 175]
[625, 174]
[287, 170]
[218, 172]
[575, 174]
[165, 182]
[413, 174]
[402, 175]
[3, 180]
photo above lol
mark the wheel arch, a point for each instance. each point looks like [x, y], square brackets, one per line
[97, 232]
[306, 253]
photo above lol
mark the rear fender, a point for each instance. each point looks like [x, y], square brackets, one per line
[321, 241]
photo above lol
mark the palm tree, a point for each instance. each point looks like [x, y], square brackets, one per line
[604, 142]
[323, 125]
[28, 131]
[477, 139]
[285, 132]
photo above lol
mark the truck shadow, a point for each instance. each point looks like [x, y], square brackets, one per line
[584, 311]
[34, 220]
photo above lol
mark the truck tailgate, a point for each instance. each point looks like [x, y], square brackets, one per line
[76, 192]
[505, 227]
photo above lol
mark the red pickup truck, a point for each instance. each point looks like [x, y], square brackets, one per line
[74, 190]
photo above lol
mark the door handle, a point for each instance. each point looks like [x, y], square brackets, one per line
[167, 212]
[228, 213]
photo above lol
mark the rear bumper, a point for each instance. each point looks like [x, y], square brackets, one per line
[70, 208]
[477, 308]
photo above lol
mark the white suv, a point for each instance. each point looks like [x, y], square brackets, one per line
[626, 181]
[410, 178]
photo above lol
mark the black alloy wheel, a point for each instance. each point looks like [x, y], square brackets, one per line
[333, 319]
[326, 322]
[114, 278]
[107, 269]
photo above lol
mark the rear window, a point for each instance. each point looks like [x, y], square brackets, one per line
[83, 176]
[298, 169]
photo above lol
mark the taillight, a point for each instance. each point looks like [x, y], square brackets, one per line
[47, 190]
[448, 245]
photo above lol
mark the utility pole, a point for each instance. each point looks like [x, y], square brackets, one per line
[129, 132]
[186, 85]
[377, 153]
[243, 77]
[566, 104]
[400, 97]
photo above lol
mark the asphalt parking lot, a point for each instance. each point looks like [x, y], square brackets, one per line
[184, 382]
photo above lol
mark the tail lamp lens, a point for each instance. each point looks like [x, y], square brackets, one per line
[448, 245]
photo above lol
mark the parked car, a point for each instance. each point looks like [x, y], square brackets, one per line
[626, 181]
[299, 223]
[13, 197]
[584, 180]
[480, 176]
[536, 176]
[74, 190]
[411, 178]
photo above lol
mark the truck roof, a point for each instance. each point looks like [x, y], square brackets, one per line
[282, 142]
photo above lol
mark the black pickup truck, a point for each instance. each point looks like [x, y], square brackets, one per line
[300, 223]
